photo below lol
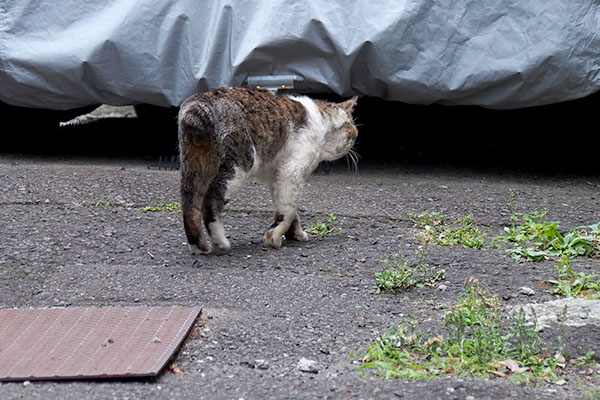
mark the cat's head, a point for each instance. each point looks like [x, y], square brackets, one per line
[341, 133]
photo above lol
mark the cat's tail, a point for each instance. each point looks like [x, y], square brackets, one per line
[196, 122]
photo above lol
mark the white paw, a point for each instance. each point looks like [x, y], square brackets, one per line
[220, 243]
[222, 246]
[195, 250]
[302, 237]
[272, 240]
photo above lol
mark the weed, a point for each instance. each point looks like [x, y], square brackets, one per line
[403, 274]
[593, 229]
[323, 228]
[524, 227]
[533, 238]
[572, 284]
[466, 234]
[592, 393]
[162, 207]
[427, 220]
[576, 243]
[587, 359]
[474, 326]
[438, 229]
[477, 343]
[537, 240]
[109, 202]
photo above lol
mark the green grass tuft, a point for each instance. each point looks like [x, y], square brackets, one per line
[323, 228]
[536, 239]
[108, 202]
[436, 228]
[402, 274]
[575, 284]
[162, 207]
[477, 342]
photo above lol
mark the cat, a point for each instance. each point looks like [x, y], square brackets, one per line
[230, 135]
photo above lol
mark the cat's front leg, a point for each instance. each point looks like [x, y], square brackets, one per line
[284, 191]
[288, 225]
[296, 232]
[277, 229]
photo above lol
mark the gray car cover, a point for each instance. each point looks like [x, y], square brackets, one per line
[494, 53]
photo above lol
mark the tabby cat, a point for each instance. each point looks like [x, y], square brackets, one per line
[232, 134]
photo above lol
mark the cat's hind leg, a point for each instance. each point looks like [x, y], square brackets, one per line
[212, 208]
[197, 243]
[191, 206]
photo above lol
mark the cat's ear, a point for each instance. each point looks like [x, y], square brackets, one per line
[348, 105]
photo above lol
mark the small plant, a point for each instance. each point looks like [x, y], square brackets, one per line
[474, 326]
[593, 229]
[477, 343]
[466, 234]
[537, 240]
[323, 228]
[402, 274]
[438, 229]
[587, 359]
[427, 220]
[524, 227]
[109, 202]
[572, 284]
[162, 207]
[592, 393]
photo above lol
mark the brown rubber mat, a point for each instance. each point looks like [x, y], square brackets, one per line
[90, 342]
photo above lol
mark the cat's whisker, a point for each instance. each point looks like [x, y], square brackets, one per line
[352, 160]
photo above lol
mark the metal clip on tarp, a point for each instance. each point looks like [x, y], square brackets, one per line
[272, 82]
